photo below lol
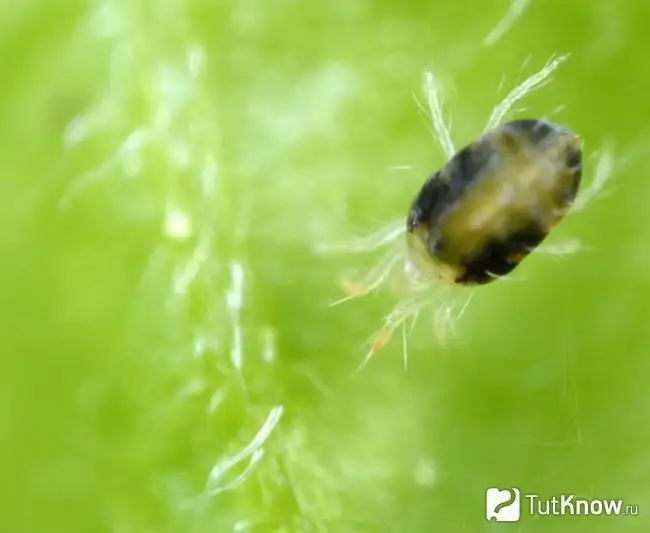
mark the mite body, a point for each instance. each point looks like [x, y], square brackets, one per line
[479, 216]
[493, 202]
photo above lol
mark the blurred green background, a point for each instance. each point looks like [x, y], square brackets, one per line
[170, 362]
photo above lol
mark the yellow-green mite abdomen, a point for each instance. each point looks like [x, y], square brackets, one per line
[494, 201]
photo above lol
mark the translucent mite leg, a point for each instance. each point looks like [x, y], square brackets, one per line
[378, 238]
[434, 102]
[406, 335]
[509, 277]
[441, 322]
[516, 9]
[604, 169]
[561, 248]
[536, 81]
[401, 312]
[377, 275]
[446, 316]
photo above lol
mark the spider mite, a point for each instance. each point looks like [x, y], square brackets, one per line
[494, 202]
[475, 219]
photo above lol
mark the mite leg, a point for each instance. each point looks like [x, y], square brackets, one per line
[561, 248]
[448, 314]
[381, 237]
[440, 128]
[400, 313]
[371, 281]
[604, 170]
[536, 81]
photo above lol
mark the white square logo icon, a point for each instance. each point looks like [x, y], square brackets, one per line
[502, 505]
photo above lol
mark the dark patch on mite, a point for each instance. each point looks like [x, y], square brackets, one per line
[446, 186]
[500, 257]
[535, 130]
[427, 200]
[573, 159]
